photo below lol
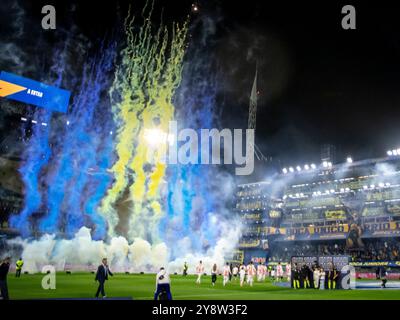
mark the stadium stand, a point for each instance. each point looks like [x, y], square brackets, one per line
[346, 209]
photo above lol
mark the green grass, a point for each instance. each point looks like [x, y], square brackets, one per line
[82, 285]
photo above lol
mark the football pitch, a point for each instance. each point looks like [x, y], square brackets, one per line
[142, 286]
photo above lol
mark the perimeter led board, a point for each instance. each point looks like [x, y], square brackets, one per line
[33, 92]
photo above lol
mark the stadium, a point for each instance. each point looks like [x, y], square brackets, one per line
[198, 151]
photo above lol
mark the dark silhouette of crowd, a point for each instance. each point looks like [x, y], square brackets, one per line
[373, 250]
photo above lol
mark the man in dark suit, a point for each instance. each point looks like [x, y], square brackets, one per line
[4, 267]
[101, 276]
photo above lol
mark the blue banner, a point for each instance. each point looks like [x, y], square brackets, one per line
[32, 92]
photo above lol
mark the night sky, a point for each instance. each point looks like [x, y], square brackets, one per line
[318, 83]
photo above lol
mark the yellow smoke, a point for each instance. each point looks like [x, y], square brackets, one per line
[142, 95]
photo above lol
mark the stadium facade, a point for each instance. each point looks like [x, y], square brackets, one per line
[352, 208]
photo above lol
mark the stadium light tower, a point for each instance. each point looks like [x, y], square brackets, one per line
[252, 121]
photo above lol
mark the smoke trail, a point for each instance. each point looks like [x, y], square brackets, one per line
[159, 111]
[142, 93]
[198, 196]
[36, 155]
[76, 155]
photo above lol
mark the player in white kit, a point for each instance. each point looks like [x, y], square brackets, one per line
[288, 271]
[251, 272]
[199, 271]
[235, 271]
[279, 272]
[264, 272]
[242, 274]
[273, 273]
[225, 273]
[260, 270]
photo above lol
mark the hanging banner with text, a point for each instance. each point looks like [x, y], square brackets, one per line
[32, 92]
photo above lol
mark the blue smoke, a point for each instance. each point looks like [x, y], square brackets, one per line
[78, 170]
[191, 198]
[36, 156]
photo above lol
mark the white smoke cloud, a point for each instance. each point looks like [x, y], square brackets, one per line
[82, 253]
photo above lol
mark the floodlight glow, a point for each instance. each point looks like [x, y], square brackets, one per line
[372, 186]
[389, 153]
[349, 160]
[325, 164]
[307, 167]
[394, 152]
[347, 189]
[313, 166]
[284, 170]
[291, 169]
[387, 184]
[398, 151]
[332, 191]
[365, 187]
[341, 189]
[171, 139]
[155, 137]
[381, 184]
[329, 164]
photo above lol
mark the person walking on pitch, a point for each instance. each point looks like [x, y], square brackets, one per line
[4, 268]
[185, 268]
[242, 274]
[163, 288]
[199, 271]
[251, 271]
[214, 272]
[101, 276]
[235, 272]
[226, 274]
[279, 272]
[18, 267]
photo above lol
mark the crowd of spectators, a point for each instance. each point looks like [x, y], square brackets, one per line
[382, 250]
[378, 250]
